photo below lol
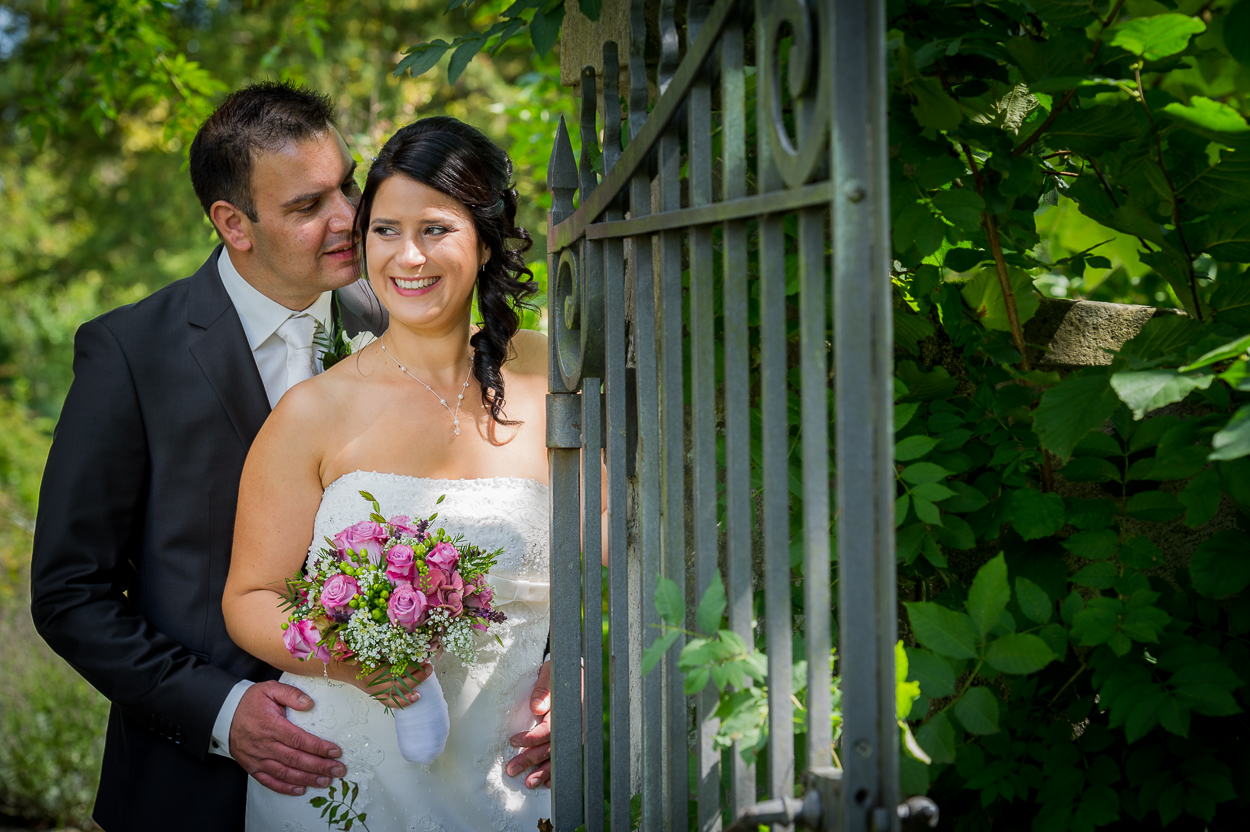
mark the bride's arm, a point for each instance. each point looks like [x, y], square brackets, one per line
[278, 499]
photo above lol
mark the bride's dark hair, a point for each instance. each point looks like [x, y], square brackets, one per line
[453, 158]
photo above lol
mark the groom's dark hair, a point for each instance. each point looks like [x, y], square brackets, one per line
[258, 118]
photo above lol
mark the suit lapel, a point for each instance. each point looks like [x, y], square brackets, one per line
[219, 346]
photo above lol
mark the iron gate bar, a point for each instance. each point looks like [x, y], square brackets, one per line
[820, 193]
[647, 372]
[592, 602]
[619, 748]
[564, 233]
[703, 414]
[672, 422]
[775, 442]
[865, 433]
[738, 508]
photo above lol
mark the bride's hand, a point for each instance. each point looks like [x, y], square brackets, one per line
[394, 693]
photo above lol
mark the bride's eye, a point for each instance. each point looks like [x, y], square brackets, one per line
[436, 230]
[383, 230]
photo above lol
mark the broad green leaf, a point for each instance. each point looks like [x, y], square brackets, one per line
[1158, 506]
[669, 602]
[977, 711]
[711, 606]
[1033, 601]
[1094, 129]
[1089, 514]
[696, 680]
[1077, 405]
[1163, 335]
[1224, 236]
[931, 491]
[1233, 440]
[1093, 626]
[989, 595]
[926, 385]
[461, 57]
[1232, 349]
[1019, 653]
[1144, 712]
[1095, 544]
[1056, 63]
[943, 630]
[955, 533]
[927, 512]
[933, 107]
[1056, 638]
[910, 329]
[1035, 514]
[656, 651]
[967, 499]
[1178, 463]
[923, 472]
[961, 206]
[914, 447]
[1075, 13]
[545, 28]
[1212, 117]
[1141, 553]
[1156, 37]
[1146, 390]
[1201, 498]
[590, 8]
[421, 58]
[1099, 575]
[984, 293]
[937, 738]
[1220, 566]
[1208, 699]
[935, 675]
[903, 413]
[1090, 469]
[1237, 32]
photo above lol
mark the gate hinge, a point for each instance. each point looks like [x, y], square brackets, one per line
[818, 809]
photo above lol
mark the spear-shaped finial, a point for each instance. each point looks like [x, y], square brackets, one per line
[562, 175]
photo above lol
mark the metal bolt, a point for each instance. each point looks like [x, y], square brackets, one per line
[863, 748]
[854, 190]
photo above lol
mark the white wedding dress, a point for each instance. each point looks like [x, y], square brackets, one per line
[466, 789]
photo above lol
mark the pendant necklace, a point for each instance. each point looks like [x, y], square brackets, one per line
[455, 415]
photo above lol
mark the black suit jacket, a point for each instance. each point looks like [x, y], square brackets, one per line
[133, 538]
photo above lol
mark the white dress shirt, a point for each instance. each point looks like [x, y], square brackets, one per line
[261, 316]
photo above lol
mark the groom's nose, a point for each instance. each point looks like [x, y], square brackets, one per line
[342, 214]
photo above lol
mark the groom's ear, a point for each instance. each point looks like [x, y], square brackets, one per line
[232, 224]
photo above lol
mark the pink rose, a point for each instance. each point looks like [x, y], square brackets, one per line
[405, 525]
[363, 535]
[401, 563]
[444, 556]
[338, 590]
[406, 607]
[479, 597]
[301, 639]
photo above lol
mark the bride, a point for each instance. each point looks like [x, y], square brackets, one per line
[436, 407]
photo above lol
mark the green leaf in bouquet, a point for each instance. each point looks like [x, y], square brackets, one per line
[441, 497]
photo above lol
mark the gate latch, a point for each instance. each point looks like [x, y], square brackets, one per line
[821, 796]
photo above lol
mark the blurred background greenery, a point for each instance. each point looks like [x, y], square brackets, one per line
[98, 212]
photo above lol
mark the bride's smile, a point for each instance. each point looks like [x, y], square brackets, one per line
[422, 252]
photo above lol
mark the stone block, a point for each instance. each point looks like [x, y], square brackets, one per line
[1083, 333]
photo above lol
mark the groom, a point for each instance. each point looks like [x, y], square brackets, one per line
[136, 512]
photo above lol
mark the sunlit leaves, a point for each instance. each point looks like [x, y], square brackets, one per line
[1233, 440]
[984, 293]
[1156, 37]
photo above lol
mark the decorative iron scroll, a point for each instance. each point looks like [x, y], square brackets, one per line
[805, 157]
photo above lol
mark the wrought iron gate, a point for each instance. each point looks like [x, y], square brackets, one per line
[820, 157]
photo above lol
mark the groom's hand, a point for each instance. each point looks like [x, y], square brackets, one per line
[536, 742]
[272, 749]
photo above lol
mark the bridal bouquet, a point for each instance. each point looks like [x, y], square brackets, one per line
[388, 596]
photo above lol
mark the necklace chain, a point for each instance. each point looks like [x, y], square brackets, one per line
[455, 415]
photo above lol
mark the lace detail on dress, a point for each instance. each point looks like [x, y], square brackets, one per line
[466, 789]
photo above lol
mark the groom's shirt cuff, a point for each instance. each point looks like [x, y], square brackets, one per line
[220, 743]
